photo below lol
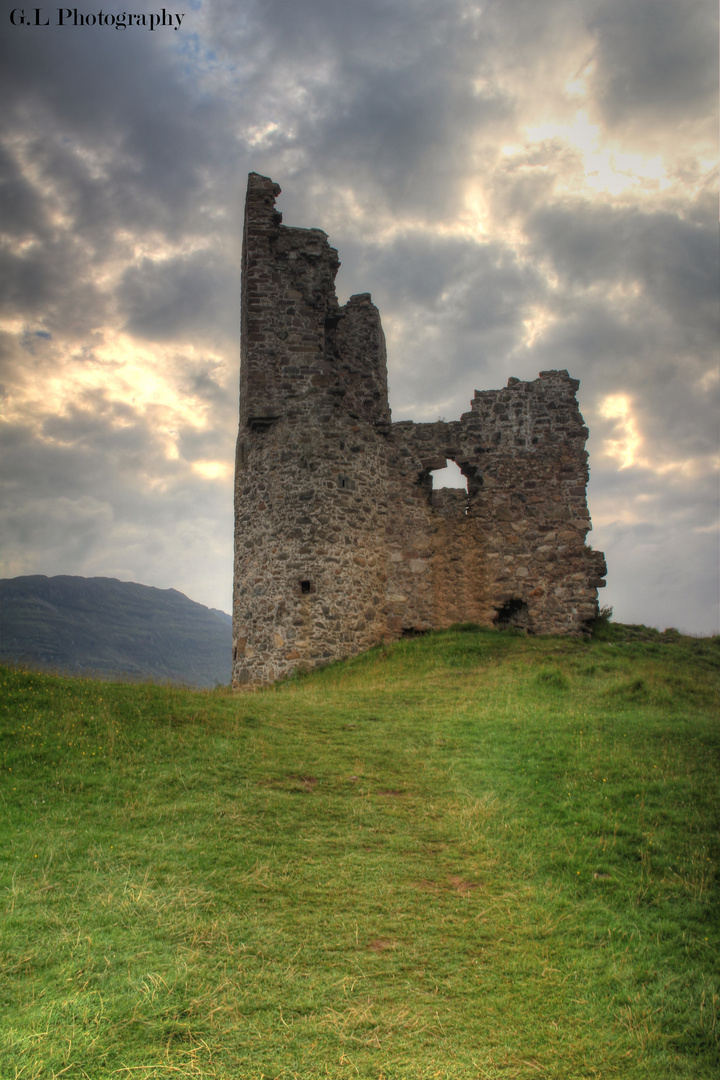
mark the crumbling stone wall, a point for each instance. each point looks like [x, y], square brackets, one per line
[340, 540]
[518, 535]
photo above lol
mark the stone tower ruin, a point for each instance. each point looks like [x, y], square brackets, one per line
[340, 539]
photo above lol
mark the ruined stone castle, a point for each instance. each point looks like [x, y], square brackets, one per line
[340, 539]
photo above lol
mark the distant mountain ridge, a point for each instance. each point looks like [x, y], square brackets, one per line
[107, 627]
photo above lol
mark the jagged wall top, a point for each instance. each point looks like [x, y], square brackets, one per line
[301, 351]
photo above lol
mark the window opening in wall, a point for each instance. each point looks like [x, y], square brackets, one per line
[240, 454]
[261, 423]
[304, 587]
[449, 477]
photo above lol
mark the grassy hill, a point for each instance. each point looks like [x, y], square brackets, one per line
[472, 854]
[104, 627]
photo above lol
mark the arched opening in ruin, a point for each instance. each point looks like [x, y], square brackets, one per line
[448, 489]
[449, 477]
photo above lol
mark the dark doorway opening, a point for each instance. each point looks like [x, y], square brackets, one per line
[513, 613]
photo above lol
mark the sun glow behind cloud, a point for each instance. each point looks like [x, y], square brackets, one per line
[125, 380]
[626, 441]
[606, 168]
[536, 323]
[213, 470]
[625, 445]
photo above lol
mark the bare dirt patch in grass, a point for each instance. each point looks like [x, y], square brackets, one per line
[380, 945]
[462, 885]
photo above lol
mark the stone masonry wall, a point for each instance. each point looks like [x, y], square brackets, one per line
[311, 467]
[514, 546]
[340, 540]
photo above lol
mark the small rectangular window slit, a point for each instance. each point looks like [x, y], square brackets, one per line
[304, 587]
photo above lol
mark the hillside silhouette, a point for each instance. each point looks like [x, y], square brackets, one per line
[112, 628]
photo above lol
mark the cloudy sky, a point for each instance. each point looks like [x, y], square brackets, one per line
[521, 185]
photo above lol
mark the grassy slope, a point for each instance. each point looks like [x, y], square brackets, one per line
[468, 855]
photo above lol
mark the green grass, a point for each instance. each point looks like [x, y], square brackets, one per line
[473, 854]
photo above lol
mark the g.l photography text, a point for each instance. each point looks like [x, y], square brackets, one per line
[72, 17]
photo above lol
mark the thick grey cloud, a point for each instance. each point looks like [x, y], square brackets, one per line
[113, 118]
[520, 185]
[674, 259]
[161, 300]
[87, 497]
[657, 61]
[106, 142]
[20, 206]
